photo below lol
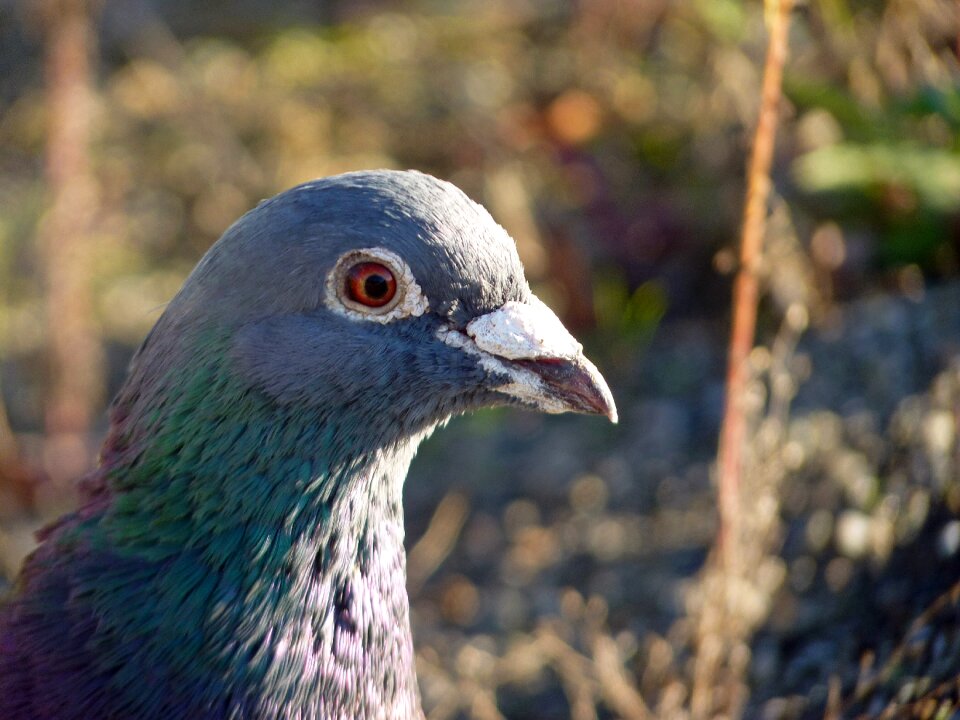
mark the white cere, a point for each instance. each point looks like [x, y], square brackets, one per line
[523, 331]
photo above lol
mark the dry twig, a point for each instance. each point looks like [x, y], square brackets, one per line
[65, 235]
[746, 289]
[438, 540]
[731, 579]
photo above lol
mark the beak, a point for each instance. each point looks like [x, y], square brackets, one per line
[541, 362]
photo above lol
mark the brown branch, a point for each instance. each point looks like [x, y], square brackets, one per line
[66, 232]
[8, 443]
[947, 603]
[438, 540]
[746, 288]
[723, 626]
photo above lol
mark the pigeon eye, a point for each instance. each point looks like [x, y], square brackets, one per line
[374, 284]
[371, 284]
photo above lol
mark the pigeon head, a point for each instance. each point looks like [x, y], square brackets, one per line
[239, 550]
[389, 300]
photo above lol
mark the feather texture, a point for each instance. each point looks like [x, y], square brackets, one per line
[238, 551]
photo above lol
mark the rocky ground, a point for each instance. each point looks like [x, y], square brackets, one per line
[571, 548]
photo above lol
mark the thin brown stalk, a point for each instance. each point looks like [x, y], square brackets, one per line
[66, 233]
[8, 443]
[746, 287]
[438, 541]
[723, 627]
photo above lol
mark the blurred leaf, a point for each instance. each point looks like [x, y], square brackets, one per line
[810, 92]
[936, 101]
[630, 317]
[725, 18]
[913, 239]
[932, 175]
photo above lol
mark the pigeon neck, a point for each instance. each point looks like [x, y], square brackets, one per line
[290, 530]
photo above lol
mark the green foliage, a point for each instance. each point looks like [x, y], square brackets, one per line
[629, 318]
[931, 176]
[630, 314]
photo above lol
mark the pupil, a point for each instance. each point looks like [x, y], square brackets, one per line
[376, 286]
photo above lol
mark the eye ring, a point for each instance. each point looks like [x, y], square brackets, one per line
[374, 284]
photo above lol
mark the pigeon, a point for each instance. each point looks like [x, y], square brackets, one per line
[238, 551]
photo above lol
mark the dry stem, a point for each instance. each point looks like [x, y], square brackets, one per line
[735, 568]
[65, 234]
[746, 289]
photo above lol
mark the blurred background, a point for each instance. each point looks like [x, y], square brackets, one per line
[556, 571]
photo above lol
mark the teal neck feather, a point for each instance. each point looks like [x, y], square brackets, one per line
[280, 544]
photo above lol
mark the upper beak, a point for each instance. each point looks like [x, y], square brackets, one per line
[543, 363]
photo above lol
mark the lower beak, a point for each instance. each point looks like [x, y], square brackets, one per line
[576, 384]
[539, 361]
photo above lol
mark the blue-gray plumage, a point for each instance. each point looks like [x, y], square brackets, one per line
[238, 552]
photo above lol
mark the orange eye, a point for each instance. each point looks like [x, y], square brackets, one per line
[371, 284]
